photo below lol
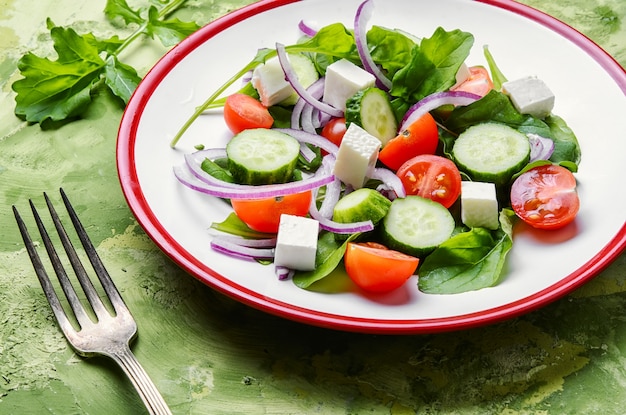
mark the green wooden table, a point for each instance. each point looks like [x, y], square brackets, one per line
[209, 354]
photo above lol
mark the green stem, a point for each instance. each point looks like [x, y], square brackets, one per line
[164, 12]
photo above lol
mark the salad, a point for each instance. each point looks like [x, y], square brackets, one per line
[385, 154]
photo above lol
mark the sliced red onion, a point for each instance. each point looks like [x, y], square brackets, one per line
[249, 242]
[283, 273]
[389, 179]
[541, 148]
[311, 138]
[292, 78]
[333, 189]
[434, 101]
[363, 14]
[307, 153]
[296, 113]
[306, 119]
[239, 251]
[341, 228]
[238, 191]
[306, 29]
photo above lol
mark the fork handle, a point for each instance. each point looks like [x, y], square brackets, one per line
[147, 390]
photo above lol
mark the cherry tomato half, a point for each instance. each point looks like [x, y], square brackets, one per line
[375, 268]
[433, 177]
[263, 215]
[479, 82]
[242, 112]
[545, 197]
[421, 137]
[334, 130]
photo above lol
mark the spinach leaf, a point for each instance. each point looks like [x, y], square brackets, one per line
[566, 147]
[468, 260]
[235, 226]
[433, 65]
[389, 48]
[329, 255]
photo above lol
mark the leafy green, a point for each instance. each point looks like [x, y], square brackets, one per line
[58, 90]
[235, 226]
[566, 147]
[329, 254]
[468, 261]
[497, 76]
[433, 65]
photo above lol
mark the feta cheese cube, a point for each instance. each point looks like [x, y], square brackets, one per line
[530, 95]
[344, 79]
[356, 157]
[479, 205]
[296, 242]
[269, 81]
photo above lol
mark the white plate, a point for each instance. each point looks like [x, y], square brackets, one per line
[590, 94]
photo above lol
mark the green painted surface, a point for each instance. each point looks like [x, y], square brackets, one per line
[209, 354]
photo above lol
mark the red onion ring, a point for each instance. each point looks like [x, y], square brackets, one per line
[226, 190]
[363, 14]
[292, 78]
[541, 148]
[390, 179]
[306, 29]
[239, 251]
[434, 101]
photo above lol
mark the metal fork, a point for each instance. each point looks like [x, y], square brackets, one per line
[111, 334]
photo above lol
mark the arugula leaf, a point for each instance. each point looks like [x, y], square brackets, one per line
[59, 90]
[120, 9]
[122, 79]
[469, 260]
[170, 32]
[55, 90]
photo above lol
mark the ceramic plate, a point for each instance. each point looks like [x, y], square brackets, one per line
[541, 266]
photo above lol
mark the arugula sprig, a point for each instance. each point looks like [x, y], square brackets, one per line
[59, 90]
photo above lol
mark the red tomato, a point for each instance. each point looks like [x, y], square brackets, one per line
[375, 268]
[433, 177]
[263, 215]
[242, 112]
[545, 197]
[479, 82]
[421, 137]
[334, 130]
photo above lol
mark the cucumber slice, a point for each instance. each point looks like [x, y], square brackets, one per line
[371, 109]
[262, 156]
[360, 205]
[491, 152]
[416, 225]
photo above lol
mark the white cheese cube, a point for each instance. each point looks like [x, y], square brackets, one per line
[356, 157]
[269, 81]
[344, 79]
[296, 242]
[530, 95]
[479, 205]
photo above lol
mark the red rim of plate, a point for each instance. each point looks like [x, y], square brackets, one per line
[145, 216]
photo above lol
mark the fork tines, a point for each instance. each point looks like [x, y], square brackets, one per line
[94, 300]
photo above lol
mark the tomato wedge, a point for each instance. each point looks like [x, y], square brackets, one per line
[545, 197]
[263, 215]
[433, 177]
[421, 137]
[242, 112]
[375, 268]
[479, 82]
